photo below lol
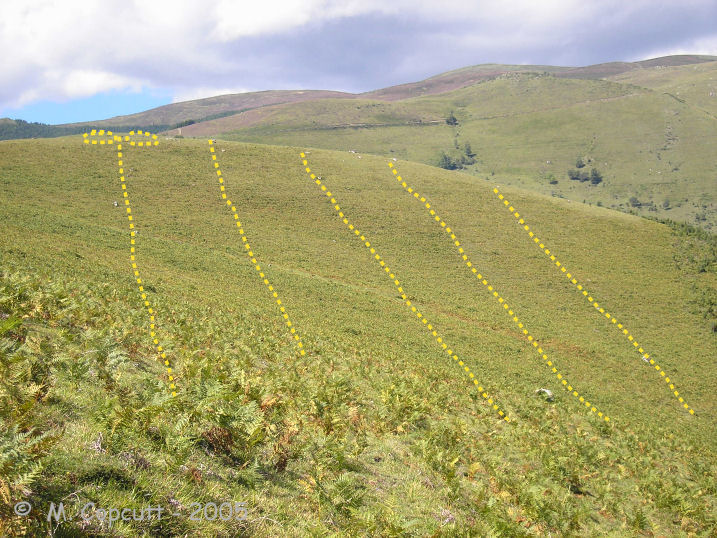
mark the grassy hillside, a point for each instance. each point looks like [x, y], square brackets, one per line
[176, 115]
[200, 109]
[374, 431]
[695, 85]
[653, 151]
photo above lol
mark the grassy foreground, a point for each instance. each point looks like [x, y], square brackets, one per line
[374, 431]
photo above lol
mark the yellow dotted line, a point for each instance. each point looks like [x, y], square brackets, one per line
[495, 294]
[392, 276]
[299, 343]
[592, 301]
[111, 139]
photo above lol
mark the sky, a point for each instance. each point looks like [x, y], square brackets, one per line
[68, 61]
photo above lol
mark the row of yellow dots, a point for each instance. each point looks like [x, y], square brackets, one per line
[299, 343]
[592, 301]
[396, 282]
[111, 138]
[495, 294]
[135, 269]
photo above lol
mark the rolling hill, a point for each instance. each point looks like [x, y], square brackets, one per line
[652, 148]
[217, 106]
[646, 128]
[695, 85]
[375, 431]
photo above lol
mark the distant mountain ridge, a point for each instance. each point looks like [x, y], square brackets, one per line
[632, 137]
[176, 115]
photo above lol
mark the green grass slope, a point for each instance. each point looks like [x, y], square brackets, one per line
[654, 151]
[456, 79]
[374, 431]
[695, 85]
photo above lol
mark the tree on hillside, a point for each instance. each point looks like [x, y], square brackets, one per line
[185, 123]
[444, 161]
[595, 176]
[578, 175]
[579, 163]
[451, 119]
[468, 156]
[466, 160]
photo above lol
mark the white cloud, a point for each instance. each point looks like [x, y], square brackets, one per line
[239, 19]
[86, 82]
[62, 50]
[75, 84]
[59, 50]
